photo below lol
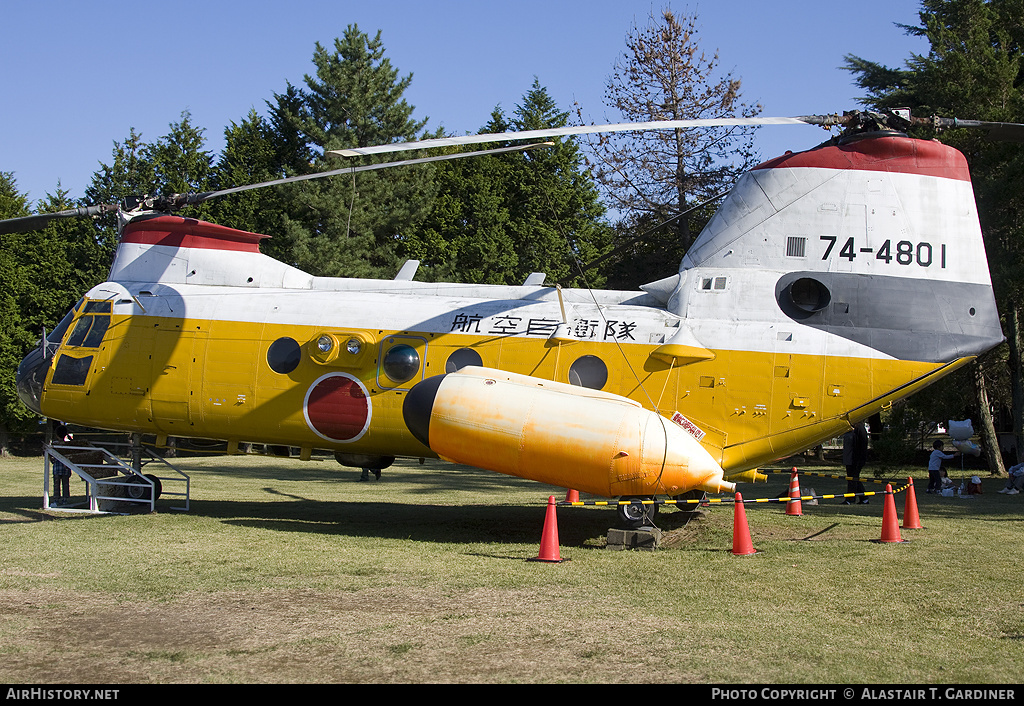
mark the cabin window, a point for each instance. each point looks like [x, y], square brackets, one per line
[589, 371]
[284, 355]
[89, 331]
[103, 307]
[461, 358]
[401, 363]
[714, 284]
[57, 335]
[71, 371]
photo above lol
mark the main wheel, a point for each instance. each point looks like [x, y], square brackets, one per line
[139, 489]
[690, 510]
[636, 514]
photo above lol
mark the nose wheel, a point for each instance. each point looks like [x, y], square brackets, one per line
[637, 513]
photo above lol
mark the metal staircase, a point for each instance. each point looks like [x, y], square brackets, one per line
[113, 484]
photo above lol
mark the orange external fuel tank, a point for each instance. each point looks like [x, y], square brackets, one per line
[561, 434]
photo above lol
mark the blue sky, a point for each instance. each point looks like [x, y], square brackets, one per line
[77, 76]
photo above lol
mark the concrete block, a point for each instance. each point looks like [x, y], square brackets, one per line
[643, 538]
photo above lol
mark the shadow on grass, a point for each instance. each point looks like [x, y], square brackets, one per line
[442, 524]
[430, 478]
[425, 523]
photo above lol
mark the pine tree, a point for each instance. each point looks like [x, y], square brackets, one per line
[14, 339]
[498, 218]
[177, 163]
[350, 225]
[250, 156]
[557, 215]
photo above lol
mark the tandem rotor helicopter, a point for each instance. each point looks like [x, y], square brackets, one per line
[829, 283]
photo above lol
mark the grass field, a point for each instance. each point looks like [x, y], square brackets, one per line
[290, 572]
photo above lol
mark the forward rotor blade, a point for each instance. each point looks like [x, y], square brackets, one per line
[38, 221]
[199, 198]
[563, 131]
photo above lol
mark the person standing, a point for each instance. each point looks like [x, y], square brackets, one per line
[935, 467]
[61, 473]
[855, 455]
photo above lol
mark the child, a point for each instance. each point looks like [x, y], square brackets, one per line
[947, 484]
[935, 467]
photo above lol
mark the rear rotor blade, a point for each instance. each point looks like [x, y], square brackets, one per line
[1004, 132]
[564, 131]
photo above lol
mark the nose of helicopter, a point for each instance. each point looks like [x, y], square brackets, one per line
[30, 377]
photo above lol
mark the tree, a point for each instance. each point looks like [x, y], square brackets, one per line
[12, 334]
[176, 163]
[497, 218]
[974, 69]
[251, 155]
[466, 236]
[656, 176]
[130, 173]
[350, 226]
[556, 213]
[42, 274]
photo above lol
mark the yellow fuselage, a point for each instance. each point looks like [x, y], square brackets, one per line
[211, 379]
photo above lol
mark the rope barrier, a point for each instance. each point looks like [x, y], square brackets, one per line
[816, 474]
[728, 501]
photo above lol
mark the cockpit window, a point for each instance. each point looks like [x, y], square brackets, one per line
[103, 307]
[71, 371]
[91, 327]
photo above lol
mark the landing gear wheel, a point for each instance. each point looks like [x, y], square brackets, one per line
[690, 509]
[635, 514]
[139, 489]
[158, 487]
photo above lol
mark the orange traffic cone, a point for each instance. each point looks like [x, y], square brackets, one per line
[911, 520]
[741, 544]
[890, 522]
[572, 496]
[549, 537]
[793, 507]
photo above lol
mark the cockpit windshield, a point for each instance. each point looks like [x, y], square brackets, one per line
[91, 326]
[73, 365]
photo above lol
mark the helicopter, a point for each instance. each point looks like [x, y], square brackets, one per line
[829, 283]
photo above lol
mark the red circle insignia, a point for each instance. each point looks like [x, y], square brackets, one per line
[337, 407]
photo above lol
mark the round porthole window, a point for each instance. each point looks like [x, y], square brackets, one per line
[461, 358]
[401, 363]
[284, 355]
[589, 371]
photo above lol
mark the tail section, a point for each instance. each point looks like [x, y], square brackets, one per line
[875, 242]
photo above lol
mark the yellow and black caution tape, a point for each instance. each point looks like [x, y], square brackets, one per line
[816, 474]
[728, 501]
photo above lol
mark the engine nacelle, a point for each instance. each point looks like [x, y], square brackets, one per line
[564, 435]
